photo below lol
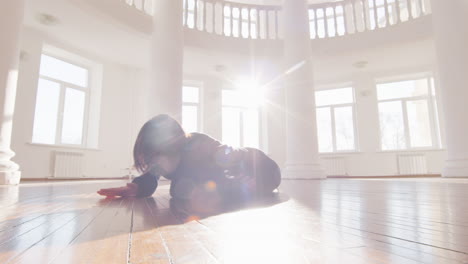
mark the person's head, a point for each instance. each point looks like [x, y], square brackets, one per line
[158, 145]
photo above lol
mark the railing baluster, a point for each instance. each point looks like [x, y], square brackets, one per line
[398, 11]
[345, 20]
[186, 12]
[325, 22]
[376, 15]
[316, 24]
[258, 22]
[204, 15]
[365, 14]
[421, 12]
[213, 17]
[240, 22]
[276, 25]
[410, 9]
[231, 20]
[222, 19]
[267, 24]
[148, 7]
[249, 35]
[353, 7]
[387, 13]
[195, 14]
[336, 21]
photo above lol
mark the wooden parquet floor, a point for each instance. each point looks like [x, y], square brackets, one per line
[339, 221]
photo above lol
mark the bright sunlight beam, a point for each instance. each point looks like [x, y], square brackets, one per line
[252, 95]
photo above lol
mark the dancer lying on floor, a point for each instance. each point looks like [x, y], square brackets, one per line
[196, 162]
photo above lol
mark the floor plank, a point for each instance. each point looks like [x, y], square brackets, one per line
[318, 221]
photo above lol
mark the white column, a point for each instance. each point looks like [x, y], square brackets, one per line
[167, 52]
[11, 19]
[451, 42]
[302, 159]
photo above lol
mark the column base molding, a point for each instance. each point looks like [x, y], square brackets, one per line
[456, 168]
[10, 177]
[304, 171]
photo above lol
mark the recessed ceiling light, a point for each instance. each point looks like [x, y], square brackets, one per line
[219, 68]
[47, 19]
[360, 64]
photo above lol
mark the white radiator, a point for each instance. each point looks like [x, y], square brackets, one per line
[412, 164]
[334, 166]
[68, 164]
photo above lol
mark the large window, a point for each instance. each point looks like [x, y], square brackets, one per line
[191, 108]
[240, 119]
[408, 114]
[61, 103]
[335, 120]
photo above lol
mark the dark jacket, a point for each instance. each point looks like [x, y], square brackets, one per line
[205, 159]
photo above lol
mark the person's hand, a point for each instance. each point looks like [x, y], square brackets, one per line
[131, 189]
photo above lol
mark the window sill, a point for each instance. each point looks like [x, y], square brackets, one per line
[61, 146]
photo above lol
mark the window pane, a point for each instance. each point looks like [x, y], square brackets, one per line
[231, 126]
[402, 89]
[324, 128]
[46, 113]
[419, 123]
[64, 71]
[73, 117]
[344, 128]
[334, 96]
[392, 129]
[190, 94]
[190, 118]
[251, 129]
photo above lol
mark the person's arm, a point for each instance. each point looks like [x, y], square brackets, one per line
[131, 189]
[141, 186]
[147, 184]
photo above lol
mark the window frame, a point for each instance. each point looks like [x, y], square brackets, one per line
[332, 113]
[61, 106]
[431, 99]
[199, 105]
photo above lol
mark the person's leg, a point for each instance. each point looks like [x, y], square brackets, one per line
[268, 179]
[266, 172]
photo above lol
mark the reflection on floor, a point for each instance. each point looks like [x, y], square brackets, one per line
[316, 221]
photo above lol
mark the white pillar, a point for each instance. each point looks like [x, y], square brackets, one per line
[167, 52]
[451, 42]
[11, 19]
[302, 159]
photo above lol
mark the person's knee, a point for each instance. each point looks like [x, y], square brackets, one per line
[268, 180]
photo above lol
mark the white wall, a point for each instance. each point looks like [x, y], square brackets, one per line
[122, 91]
